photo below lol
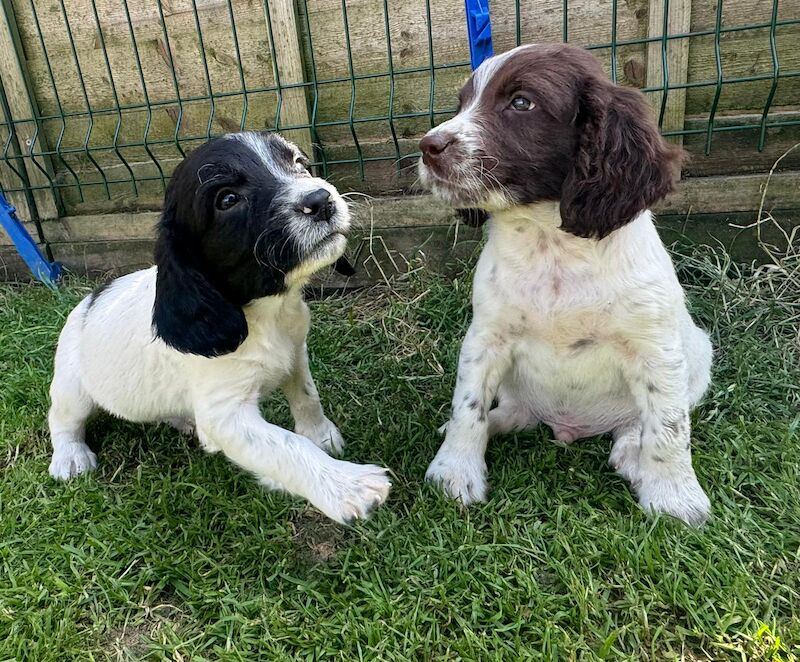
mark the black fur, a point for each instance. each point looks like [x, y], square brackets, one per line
[211, 262]
[474, 218]
[98, 291]
[344, 267]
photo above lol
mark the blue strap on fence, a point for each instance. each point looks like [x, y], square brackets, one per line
[479, 31]
[41, 268]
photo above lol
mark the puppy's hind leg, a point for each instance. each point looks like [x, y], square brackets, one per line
[624, 458]
[182, 424]
[70, 406]
[511, 413]
[700, 353]
[665, 481]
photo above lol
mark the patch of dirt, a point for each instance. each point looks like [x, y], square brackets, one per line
[128, 642]
[316, 537]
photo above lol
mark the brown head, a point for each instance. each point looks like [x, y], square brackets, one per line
[543, 122]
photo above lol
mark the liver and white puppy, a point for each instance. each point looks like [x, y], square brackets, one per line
[218, 323]
[579, 321]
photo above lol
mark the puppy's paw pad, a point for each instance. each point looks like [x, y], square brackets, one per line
[460, 478]
[324, 435]
[71, 461]
[354, 492]
[684, 499]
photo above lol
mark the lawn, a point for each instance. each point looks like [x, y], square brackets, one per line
[168, 553]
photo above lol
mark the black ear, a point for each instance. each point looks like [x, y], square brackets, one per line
[473, 217]
[190, 314]
[623, 164]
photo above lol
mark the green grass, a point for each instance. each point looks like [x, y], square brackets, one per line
[168, 553]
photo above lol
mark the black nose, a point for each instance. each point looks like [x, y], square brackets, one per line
[318, 205]
[433, 146]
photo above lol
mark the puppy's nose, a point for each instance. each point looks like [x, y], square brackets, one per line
[433, 146]
[318, 205]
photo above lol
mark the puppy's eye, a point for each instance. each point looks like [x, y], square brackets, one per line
[301, 164]
[521, 103]
[227, 199]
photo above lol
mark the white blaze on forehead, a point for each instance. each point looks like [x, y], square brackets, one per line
[463, 123]
[294, 187]
[260, 144]
[486, 71]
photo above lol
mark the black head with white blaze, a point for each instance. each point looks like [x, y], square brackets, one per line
[243, 219]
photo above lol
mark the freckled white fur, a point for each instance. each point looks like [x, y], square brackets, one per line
[587, 337]
[109, 358]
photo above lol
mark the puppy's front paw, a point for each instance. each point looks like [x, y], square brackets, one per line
[325, 435]
[70, 460]
[679, 496]
[352, 491]
[462, 476]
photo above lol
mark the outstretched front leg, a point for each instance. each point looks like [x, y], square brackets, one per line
[460, 466]
[309, 419]
[286, 460]
[664, 478]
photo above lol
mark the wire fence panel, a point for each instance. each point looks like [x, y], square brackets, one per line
[121, 89]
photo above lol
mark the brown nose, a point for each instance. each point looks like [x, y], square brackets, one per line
[433, 146]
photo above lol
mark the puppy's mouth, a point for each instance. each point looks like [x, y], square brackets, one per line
[447, 184]
[326, 243]
[462, 184]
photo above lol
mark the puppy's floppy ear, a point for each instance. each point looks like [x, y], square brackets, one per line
[622, 166]
[474, 218]
[190, 314]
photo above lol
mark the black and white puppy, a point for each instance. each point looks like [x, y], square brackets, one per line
[579, 321]
[218, 323]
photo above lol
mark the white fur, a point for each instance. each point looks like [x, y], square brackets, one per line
[587, 337]
[108, 358]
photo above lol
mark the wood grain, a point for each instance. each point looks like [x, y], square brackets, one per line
[22, 107]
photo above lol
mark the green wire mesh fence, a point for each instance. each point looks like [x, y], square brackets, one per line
[102, 98]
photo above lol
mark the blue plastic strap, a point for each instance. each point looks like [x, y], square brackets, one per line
[479, 31]
[47, 272]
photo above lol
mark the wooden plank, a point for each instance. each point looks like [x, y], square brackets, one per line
[104, 258]
[736, 152]
[382, 254]
[12, 267]
[744, 53]
[677, 61]
[22, 109]
[289, 67]
[391, 233]
[377, 256]
[706, 195]
[10, 179]
[726, 194]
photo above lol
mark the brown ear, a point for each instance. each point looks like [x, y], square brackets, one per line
[622, 166]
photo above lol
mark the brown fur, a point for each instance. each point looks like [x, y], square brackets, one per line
[588, 143]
